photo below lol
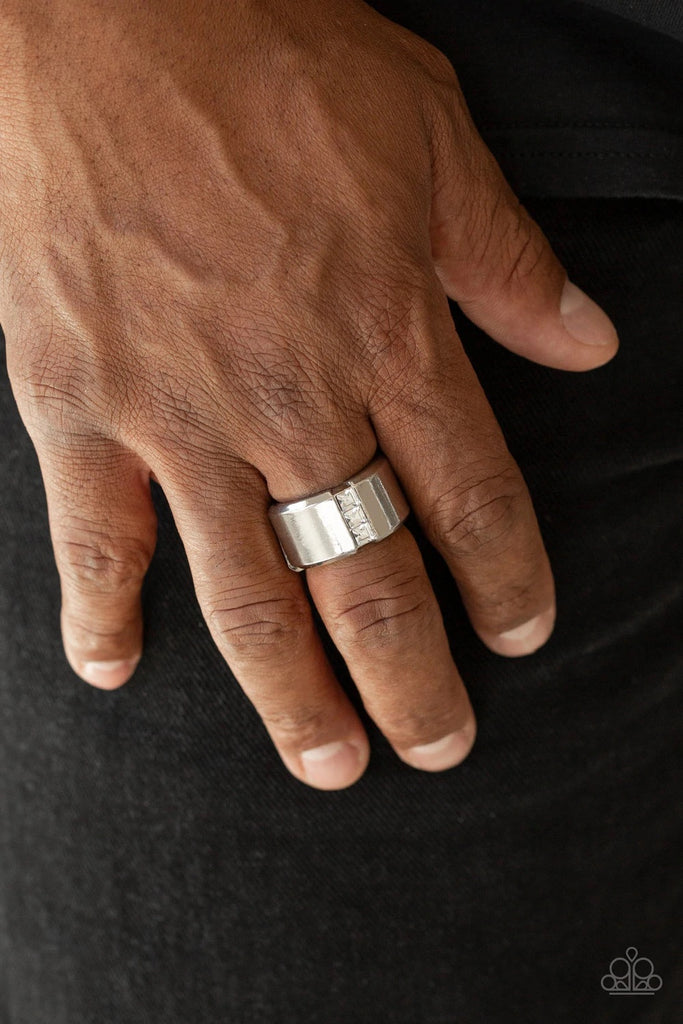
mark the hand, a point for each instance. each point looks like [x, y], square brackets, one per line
[227, 238]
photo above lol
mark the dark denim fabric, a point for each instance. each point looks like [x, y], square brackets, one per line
[574, 97]
[158, 864]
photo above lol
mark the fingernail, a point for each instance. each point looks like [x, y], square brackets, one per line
[526, 638]
[109, 674]
[331, 766]
[584, 319]
[444, 753]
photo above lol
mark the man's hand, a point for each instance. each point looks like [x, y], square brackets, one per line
[227, 236]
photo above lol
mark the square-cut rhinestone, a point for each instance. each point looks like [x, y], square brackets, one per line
[347, 500]
[355, 516]
[363, 532]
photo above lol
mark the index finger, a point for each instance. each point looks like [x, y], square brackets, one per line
[442, 438]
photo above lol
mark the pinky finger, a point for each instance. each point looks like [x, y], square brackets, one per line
[103, 529]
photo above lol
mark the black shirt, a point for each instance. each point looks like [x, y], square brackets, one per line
[574, 97]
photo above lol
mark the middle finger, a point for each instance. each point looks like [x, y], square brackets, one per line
[381, 612]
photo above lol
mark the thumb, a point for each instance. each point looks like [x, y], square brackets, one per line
[495, 262]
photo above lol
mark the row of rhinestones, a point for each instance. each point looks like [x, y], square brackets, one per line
[354, 515]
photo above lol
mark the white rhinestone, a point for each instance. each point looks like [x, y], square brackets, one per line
[355, 517]
[364, 532]
[347, 500]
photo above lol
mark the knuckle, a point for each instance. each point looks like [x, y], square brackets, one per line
[398, 304]
[95, 562]
[485, 225]
[505, 247]
[394, 608]
[175, 412]
[64, 385]
[298, 724]
[53, 397]
[479, 513]
[397, 327]
[522, 249]
[88, 634]
[255, 628]
[503, 607]
[434, 60]
[412, 726]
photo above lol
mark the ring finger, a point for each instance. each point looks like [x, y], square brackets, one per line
[381, 612]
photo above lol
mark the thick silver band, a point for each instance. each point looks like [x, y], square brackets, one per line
[331, 524]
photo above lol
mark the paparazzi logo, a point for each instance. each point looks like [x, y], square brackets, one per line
[631, 975]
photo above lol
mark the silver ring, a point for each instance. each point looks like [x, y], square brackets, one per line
[336, 522]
